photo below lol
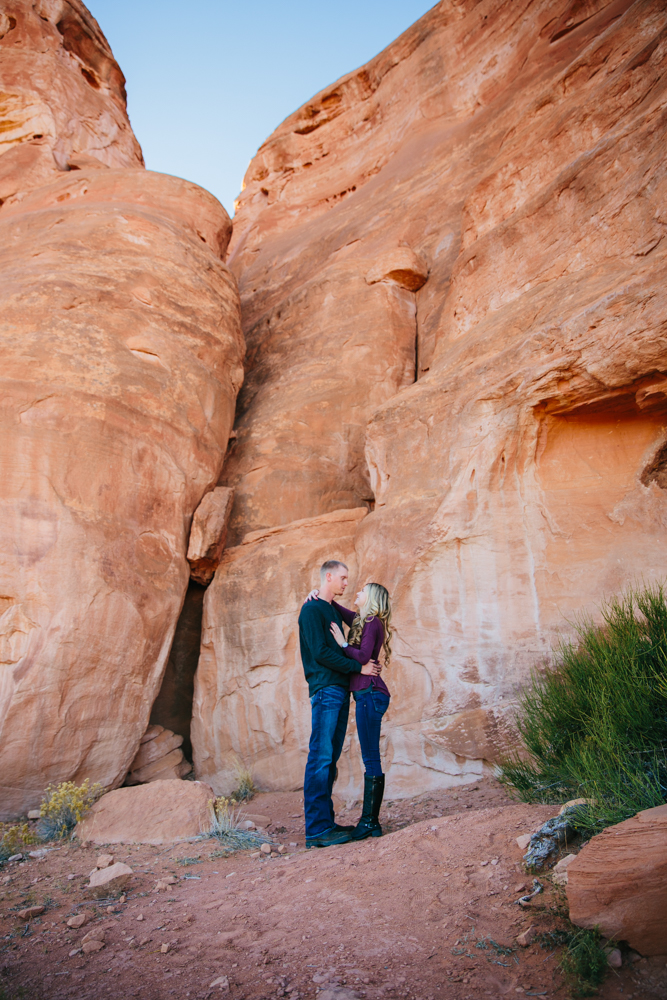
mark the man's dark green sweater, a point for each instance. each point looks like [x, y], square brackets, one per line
[323, 661]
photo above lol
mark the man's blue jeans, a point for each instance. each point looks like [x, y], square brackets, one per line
[330, 709]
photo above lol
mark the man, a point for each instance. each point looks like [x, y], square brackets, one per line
[327, 671]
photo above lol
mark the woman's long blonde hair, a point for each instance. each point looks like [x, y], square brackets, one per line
[376, 605]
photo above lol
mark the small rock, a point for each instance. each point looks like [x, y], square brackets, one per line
[293, 843]
[265, 848]
[274, 854]
[90, 947]
[39, 854]
[255, 854]
[614, 958]
[221, 981]
[164, 948]
[70, 877]
[123, 898]
[112, 909]
[247, 824]
[523, 841]
[573, 802]
[144, 941]
[109, 879]
[140, 916]
[494, 861]
[78, 921]
[162, 883]
[34, 814]
[15, 857]
[520, 887]
[105, 860]
[559, 875]
[74, 951]
[97, 934]
[561, 866]
[282, 849]
[30, 912]
[527, 937]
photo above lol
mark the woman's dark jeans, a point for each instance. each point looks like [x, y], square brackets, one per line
[371, 706]
[330, 707]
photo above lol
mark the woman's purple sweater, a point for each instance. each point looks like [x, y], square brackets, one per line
[372, 637]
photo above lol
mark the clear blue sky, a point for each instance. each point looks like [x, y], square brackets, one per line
[209, 80]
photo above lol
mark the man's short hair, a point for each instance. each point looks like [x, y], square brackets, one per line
[330, 566]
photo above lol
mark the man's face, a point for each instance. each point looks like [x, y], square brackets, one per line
[339, 581]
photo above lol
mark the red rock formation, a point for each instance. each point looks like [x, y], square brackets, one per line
[512, 155]
[618, 882]
[121, 364]
[62, 96]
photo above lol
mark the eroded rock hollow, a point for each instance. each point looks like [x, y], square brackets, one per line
[452, 274]
[122, 354]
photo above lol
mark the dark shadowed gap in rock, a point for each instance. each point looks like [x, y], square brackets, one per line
[656, 471]
[173, 705]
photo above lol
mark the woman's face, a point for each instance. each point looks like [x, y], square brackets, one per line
[360, 599]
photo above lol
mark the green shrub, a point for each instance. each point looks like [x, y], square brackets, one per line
[64, 806]
[595, 725]
[584, 963]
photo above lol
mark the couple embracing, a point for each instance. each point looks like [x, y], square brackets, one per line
[334, 667]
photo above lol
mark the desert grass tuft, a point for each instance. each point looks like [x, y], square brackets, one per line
[226, 827]
[594, 726]
[245, 785]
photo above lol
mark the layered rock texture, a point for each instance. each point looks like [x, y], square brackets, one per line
[618, 882]
[452, 274]
[159, 757]
[122, 357]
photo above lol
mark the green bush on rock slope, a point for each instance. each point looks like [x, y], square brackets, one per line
[594, 725]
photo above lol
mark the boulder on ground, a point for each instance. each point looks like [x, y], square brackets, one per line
[159, 813]
[112, 879]
[618, 882]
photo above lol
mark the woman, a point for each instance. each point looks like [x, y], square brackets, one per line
[369, 634]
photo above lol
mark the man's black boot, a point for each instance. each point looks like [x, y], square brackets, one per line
[329, 839]
[369, 824]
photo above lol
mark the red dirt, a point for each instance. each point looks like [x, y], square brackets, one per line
[402, 916]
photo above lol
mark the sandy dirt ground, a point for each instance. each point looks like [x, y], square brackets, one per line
[427, 911]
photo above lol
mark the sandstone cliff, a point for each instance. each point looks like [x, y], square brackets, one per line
[452, 274]
[122, 358]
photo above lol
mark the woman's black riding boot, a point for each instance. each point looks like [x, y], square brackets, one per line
[369, 825]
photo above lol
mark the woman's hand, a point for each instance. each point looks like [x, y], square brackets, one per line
[312, 595]
[337, 634]
[371, 669]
